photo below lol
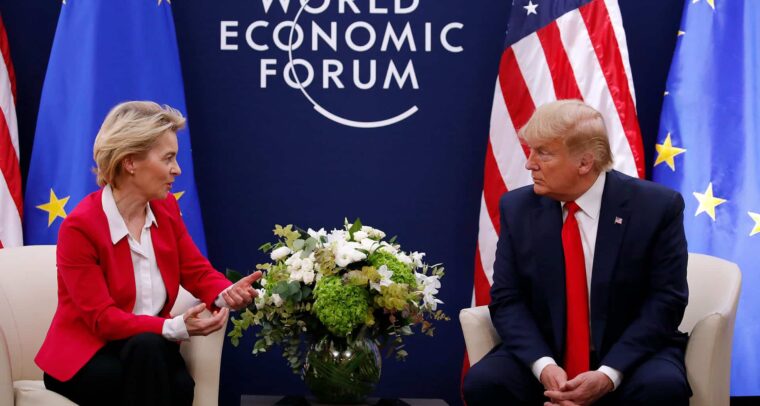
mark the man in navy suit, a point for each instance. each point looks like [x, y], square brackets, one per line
[589, 282]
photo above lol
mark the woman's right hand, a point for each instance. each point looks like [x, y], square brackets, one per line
[197, 326]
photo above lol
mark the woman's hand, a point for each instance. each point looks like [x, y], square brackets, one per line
[197, 326]
[241, 294]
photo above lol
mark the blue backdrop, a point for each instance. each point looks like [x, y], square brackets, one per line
[263, 155]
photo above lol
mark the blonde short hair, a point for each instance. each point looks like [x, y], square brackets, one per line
[580, 127]
[130, 128]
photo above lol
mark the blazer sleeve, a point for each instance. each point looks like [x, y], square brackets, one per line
[509, 308]
[85, 282]
[196, 273]
[663, 308]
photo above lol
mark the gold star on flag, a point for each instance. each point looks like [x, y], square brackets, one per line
[178, 195]
[55, 207]
[681, 33]
[710, 2]
[708, 202]
[666, 152]
[756, 219]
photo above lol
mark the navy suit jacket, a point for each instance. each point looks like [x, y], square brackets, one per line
[638, 284]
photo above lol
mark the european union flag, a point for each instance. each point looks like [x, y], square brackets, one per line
[104, 53]
[708, 149]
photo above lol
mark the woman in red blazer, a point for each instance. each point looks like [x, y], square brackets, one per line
[122, 254]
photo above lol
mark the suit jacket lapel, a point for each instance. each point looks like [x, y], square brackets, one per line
[613, 219]
[547, 240]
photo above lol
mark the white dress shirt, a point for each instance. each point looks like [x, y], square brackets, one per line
[590, 204]
[150, 291]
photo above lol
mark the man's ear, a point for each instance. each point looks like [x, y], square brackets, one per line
[586, 163]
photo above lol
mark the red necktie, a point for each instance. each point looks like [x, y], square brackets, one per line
[577, 338]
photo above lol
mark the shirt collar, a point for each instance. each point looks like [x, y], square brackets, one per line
[116, 224]
[590, 202]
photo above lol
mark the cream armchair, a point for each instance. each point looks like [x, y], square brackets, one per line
[28, 299]
[714, 286]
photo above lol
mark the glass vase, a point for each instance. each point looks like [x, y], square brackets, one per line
[342, 370]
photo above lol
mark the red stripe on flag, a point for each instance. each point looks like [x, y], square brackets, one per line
[9, 164]
[607, 50]
[493, 187]
[563, 78]
[6, 51]
[514, 89]
[482, 287]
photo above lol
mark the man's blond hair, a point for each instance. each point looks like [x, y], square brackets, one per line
[578, 125]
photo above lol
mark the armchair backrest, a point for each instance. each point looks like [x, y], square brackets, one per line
[714, 285]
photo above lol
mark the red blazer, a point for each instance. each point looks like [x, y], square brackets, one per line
[96, 283]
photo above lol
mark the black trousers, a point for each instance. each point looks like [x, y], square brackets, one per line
[501, 379]
[145, 369]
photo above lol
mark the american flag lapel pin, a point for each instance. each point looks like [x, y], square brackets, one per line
[618, 220]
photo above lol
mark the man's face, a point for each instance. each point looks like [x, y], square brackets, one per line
[556, 172]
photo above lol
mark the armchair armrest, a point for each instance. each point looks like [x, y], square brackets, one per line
[479, 333]
[6, 374]
[708, 361]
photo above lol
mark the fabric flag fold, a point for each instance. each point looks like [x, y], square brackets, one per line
[11, 207]
[104, 53]
[708, 149]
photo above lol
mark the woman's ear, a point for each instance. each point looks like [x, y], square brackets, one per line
[128, 164]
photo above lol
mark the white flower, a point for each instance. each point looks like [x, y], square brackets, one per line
[294, 262]
[360, 235]
[403, 258]
[417, 258]
[280, 253]
[296, 276]
[369, 244]
[260, 301]
[430, 286]
[385, 278]
[373, 233]
[346, 253]
[336, 235]
[317, 234]
[308, 277]
[391, 249]
[307, 264]
[276, 300]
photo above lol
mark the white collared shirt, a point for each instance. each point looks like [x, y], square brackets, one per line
[150, 291]
[590, 204]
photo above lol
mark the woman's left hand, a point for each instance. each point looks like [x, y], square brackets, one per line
[241, 294]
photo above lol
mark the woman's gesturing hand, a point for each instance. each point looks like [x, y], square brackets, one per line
[241, 294]
[197, 326]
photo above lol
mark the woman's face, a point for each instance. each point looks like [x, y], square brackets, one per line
[154, 173]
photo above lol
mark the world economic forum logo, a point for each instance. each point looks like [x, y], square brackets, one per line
[313, 55]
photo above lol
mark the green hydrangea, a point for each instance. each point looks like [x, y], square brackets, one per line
[402, 273]
[341, 308]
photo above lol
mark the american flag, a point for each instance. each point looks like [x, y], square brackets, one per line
[10, 174]
[554, 50]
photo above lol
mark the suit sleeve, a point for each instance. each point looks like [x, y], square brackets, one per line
[196, 273]
[509, 309]
[85, 282]
[663, 309]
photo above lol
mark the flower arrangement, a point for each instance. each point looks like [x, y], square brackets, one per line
[346, 283]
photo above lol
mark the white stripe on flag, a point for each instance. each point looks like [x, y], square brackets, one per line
[506, 146]
[532, 62]
[593, 87]
[8, 107]
[10, 222]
